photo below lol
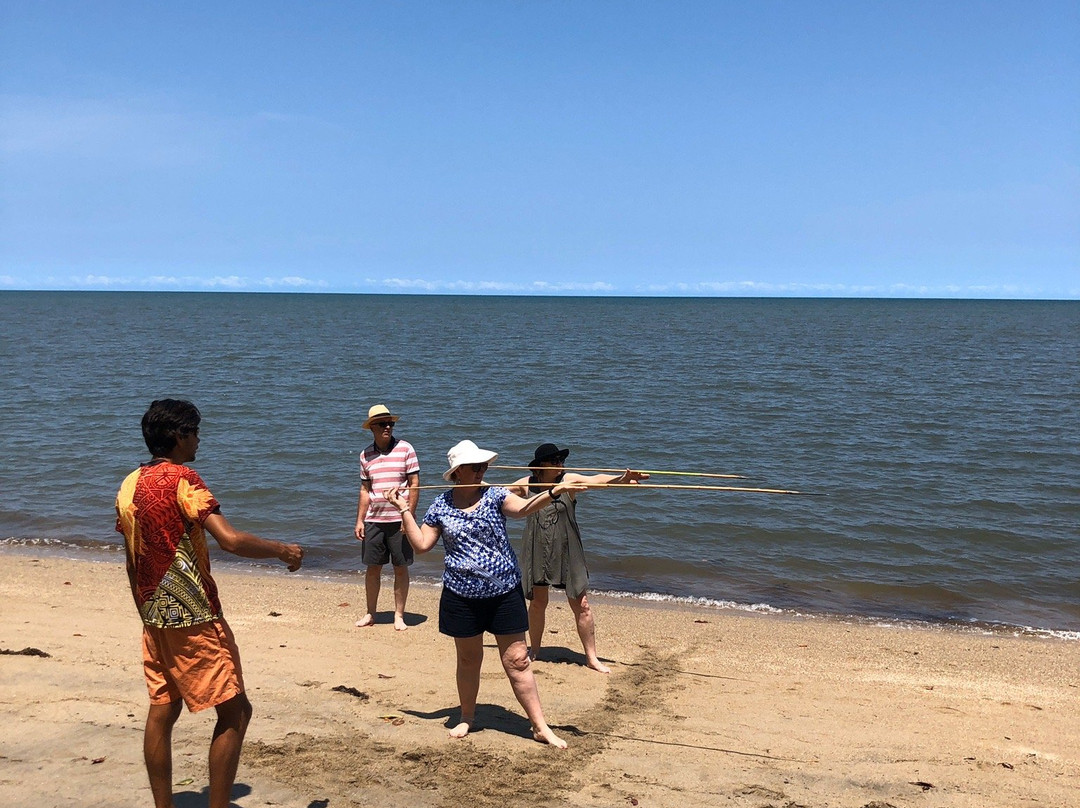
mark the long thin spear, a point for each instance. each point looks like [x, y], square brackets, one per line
[704, 488]
[638, 485]
[642, 471]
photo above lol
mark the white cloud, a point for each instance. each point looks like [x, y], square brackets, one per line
[161, 282]
[751, 288]
[404, 283]
[298, 283]
[226, 282]
[503, 287]
[99, 281]
[594, 286]
[294, 282]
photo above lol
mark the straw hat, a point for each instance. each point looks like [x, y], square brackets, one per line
[548, 451]
[463, 453]
[375, 412]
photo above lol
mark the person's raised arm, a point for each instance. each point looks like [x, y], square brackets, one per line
[519, 507]
[519, 487]
[628, 477]
[421, 537]
[248, 545]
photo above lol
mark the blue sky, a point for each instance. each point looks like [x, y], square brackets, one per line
[861, 148]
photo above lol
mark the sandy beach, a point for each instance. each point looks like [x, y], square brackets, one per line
[703, 708]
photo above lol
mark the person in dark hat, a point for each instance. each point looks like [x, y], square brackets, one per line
[552, 554]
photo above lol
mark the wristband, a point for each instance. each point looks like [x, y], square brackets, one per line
[552, 494]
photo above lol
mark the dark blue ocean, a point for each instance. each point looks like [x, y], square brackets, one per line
[942, 436]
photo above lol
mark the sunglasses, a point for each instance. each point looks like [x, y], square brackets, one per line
[475, 466]
[382, 424]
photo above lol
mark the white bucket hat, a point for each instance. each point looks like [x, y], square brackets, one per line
[463, 453]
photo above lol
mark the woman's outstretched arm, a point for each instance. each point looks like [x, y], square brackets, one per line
[520, 507]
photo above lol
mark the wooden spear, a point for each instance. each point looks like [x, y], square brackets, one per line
[641, 471]
[634, 485]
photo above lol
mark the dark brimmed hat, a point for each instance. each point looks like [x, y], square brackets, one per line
[548, 451]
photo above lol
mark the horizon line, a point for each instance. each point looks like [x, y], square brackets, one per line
[929, 296]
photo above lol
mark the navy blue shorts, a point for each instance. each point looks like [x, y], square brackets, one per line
[468, 617]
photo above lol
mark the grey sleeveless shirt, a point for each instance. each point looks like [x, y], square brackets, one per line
[551, 552]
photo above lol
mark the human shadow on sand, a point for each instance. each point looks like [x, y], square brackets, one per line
[200, 799]
[560, 655]
[411, 618]
[488, 716]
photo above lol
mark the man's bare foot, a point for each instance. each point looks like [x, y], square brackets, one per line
[461, 730]
[399, 623]
[532, 654]
[365, 621]
[597, 665]
[545, 735]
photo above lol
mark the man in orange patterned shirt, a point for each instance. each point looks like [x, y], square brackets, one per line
[164, 510]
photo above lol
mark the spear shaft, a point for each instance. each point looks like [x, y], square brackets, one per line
[637, 485]
[642, 471]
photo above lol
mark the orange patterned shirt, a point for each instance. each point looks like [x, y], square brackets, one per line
[160, 510]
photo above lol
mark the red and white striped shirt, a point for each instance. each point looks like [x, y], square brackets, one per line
[385, 471]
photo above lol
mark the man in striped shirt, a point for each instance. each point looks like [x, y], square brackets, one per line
[387, 463]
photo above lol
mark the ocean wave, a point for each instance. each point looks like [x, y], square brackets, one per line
[681, 600]
[74, 548]
[62, 544]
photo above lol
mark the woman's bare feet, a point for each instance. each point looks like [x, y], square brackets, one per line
[545, 735]
[461, 730]
[597, 665]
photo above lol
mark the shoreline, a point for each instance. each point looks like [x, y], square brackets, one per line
[703, 707]
[113, 552]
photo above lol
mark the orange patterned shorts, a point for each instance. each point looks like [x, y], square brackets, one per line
[200, 665]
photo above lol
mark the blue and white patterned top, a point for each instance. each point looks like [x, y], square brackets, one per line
[480, 563]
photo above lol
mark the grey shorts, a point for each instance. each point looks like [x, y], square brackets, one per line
[384, 542]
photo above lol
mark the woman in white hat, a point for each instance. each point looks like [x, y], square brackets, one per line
[481, 581]
[552, 554]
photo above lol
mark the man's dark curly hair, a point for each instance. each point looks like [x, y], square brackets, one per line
[166, 420]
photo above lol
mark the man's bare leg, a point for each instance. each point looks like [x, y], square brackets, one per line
[470, 655]
[157, 750]
[537, 619]
[401, 594]
[232, 723]
[372, 585]
[586, 629]
[518, 667]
